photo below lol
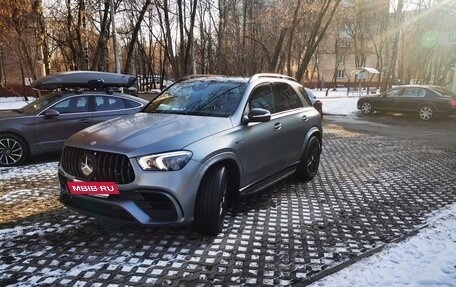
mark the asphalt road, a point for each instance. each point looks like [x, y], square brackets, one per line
[402, 126]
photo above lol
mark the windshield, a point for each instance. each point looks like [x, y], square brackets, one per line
[201, 98]
[38, 104]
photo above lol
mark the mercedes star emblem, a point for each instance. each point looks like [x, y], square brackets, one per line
[87, 165]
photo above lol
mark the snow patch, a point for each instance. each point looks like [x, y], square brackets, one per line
[427, 259]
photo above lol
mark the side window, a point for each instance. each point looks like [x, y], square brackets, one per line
[107, 103]
[286, 97]
[72, 105]
[132, 104]
[393, 93]
[307, 95]
[414, 92]
[262, 97]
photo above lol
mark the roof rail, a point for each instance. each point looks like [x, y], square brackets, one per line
[196, 76]
[271, 75]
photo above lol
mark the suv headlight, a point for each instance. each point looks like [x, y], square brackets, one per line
[165, 161]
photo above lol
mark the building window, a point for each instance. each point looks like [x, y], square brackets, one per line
[341, 73]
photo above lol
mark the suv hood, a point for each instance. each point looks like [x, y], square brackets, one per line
[144, 133]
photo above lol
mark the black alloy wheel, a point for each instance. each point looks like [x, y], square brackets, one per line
[211, 201]
[310, 162]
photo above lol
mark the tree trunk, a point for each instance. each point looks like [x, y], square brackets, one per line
[391, 66]
[291, 35]
[134, 37]
[166, 26]
[318, 30]
[188, 58]
[99, 56]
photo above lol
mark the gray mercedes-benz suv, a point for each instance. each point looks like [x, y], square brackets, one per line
[201, 142]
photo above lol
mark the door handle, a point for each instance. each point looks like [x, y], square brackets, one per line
[304, 118]
[277, 126]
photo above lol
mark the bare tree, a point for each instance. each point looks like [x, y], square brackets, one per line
[134, 37]
[318, 26]
[18, 33]
[389, 71]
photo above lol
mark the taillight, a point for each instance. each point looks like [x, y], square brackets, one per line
[453, 103]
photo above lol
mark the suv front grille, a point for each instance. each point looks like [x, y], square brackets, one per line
[106, 166]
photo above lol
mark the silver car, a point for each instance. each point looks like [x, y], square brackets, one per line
[202, 142]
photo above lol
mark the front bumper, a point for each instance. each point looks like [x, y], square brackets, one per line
[154, 198]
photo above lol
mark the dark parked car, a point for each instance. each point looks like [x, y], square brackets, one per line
[203, 141]
[425, 101]
[44, 125]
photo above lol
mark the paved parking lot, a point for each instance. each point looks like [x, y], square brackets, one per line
[370, 190]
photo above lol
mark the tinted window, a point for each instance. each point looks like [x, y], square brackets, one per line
[197, 97]
[72, 105]
[308, 96]
[286, 97]
[263, 98]
[106, 103]
[393, 93]
[132, 104]
[414, 92]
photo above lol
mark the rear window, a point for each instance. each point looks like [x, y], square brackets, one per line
[203, 98]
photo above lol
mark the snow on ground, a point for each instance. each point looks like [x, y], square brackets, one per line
[9, 103]
[427, 259]
[337, 102]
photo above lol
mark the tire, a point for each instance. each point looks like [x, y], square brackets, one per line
[211, 202]
[310, 162]
[426, 113]
[366, 108]
[13, 150]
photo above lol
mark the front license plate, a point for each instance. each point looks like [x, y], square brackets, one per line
[99, 189]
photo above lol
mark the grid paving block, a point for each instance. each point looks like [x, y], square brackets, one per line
[370, 190]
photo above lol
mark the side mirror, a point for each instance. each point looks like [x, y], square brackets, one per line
[51, 113]
[258, 115]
